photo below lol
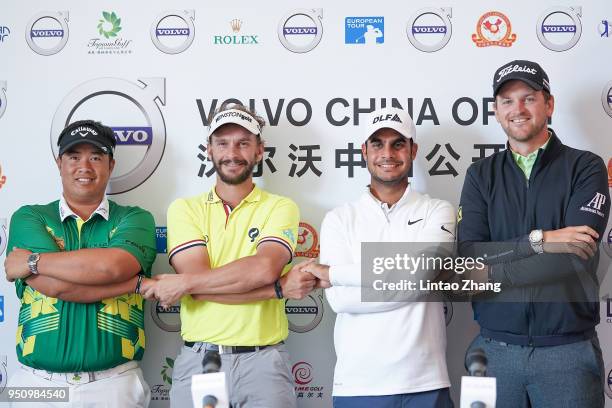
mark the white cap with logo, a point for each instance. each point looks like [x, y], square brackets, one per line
[393, 118]
[237, 117]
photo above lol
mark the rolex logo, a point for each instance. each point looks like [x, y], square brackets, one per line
[236, 24]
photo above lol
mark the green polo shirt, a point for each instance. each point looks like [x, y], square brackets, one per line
[60, 336]
[526, 163]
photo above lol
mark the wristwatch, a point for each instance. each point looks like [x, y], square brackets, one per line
[536, 239]
[33, 263]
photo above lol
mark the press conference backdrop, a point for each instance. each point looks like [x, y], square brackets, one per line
[313, 71]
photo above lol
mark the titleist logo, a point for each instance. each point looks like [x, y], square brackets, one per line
[515, 68]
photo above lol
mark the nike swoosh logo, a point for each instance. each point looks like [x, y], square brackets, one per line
[414, 222]
[443, 228]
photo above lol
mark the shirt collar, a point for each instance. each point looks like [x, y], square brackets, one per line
[385, 207]
[532, 155]
[65, 211]
[253, 196]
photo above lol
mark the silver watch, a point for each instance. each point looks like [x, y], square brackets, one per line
[33, 263]
[536, 239]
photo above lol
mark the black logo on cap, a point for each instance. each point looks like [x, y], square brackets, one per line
[381, 118]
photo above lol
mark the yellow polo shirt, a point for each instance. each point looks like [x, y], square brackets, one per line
[231, 234]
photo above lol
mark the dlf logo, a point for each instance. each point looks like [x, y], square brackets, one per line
[381, 118]
[597, 201]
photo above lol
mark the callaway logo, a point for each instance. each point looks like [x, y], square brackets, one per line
[515, 68]
[393, 118]
[83, 131]
[414, 222]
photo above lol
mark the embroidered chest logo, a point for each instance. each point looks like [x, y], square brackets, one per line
[58, 241]
[253, 233]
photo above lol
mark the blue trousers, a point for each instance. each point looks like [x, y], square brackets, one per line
[570, 375]
[427, 399]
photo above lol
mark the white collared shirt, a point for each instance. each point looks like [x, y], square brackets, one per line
[65, 211]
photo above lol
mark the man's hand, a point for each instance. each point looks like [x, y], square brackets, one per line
[147, 288]
[297, 283]
[581, 241]
[167, 288]
[318, 270]
[16, 264]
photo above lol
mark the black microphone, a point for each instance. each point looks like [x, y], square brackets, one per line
[478, 404]
[211, 362]
[476, 363]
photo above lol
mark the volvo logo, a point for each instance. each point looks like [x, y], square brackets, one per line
[140, 147]
[2, 97]
[606, 99]
[3, 235]
[430, 29]
[559, 28]
[301, 30]
[47, 32]
[172, 32]
[166, 319]
[306, 314]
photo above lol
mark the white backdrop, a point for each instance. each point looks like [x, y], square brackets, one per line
[159, 73]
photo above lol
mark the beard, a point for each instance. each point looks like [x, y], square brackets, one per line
[236, 179]
[389, 181]
[537, 129]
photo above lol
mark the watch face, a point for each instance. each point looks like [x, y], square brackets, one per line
[33, 258]
[536, 236]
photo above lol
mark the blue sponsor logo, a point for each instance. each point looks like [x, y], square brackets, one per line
[171, 31]
[1, 309]
[4, 32]
[133, 135]
[161, 240]
[46, 33]
[364, 30]
[558, 28]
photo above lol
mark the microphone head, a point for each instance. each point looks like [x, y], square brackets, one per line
[211, 363]
[209, 401]
[476, 362]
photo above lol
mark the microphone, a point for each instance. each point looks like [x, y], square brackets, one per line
[476, 363]
[209, 389]
[211, 362]
[477, 390]
[209, 401]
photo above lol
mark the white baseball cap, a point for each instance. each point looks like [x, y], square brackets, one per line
[237, 117]
[392, 118]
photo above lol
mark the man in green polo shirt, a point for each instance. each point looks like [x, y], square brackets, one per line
[229, 247]
[78, 263]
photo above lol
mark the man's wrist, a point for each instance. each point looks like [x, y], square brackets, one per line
[278, 290]
[140, 276]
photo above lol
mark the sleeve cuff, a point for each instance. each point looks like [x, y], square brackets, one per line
[345, 275]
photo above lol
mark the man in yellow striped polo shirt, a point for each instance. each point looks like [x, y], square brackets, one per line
[229, 247]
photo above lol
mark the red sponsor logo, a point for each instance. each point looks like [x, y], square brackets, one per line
[302, 373]
[307, 241]
[2, 178]
[493, 29]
